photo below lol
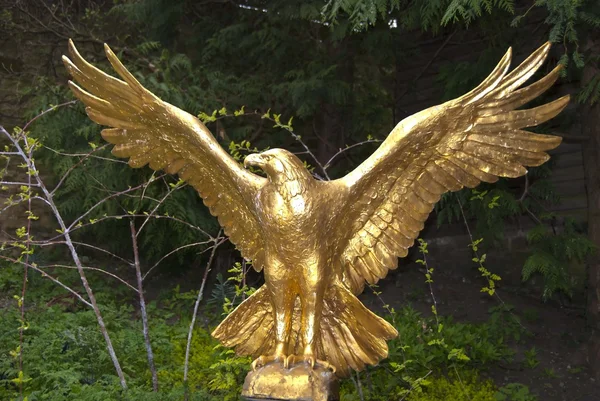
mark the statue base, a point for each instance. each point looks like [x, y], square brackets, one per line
[299, 383]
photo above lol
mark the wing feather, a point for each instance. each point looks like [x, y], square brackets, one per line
[149, 131]
[475, 138]
[522, 73]
[522, 96]
[516, 140]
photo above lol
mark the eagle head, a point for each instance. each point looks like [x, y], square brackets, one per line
[283, 168]
[279, 164]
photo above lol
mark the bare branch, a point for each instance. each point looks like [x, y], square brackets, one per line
[46, 243]
[159, 203]
[218, 241]
[358, 385]
[312, 155]
[146, 330]
[25, 274]
[129, 215]
[53, 108]
[525, 190]
[18, 183]
[17, 202]
[49, 277]
[33, 172]
[100, 202]
[91, 268]
[85, 156]
[347, 148]
[88, 155]
[122, 216]
[177, 250]
[426, 67]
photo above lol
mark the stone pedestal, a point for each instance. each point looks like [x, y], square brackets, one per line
[299, 383]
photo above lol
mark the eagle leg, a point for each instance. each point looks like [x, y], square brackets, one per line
[282, 298]
[280, 354]
[266, 359]
[313, 289]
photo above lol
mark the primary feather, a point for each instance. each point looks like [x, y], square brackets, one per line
[476, 137]
[149, 131]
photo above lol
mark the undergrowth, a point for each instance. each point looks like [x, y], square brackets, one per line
[65, 357]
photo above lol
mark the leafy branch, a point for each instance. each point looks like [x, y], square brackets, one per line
[22, 147]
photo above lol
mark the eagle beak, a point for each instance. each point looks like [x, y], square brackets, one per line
[254, 159]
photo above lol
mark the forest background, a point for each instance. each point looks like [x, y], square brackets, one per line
[112, 279]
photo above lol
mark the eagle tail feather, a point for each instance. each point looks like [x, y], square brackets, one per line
[351, 336]
[249, 328]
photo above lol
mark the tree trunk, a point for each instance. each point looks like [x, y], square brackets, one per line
[333, 121]
[590, 126]
[329, 132]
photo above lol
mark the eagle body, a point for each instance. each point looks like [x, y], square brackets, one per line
[320, 242]
[294, 214]
[298, 265]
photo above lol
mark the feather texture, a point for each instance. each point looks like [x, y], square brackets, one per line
[476, 137]
[344, 340]
[149, 131]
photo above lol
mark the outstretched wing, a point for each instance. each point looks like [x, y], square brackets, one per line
[150, 131]
[474, 138]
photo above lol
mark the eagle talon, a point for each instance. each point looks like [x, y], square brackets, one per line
[313, 362]
[262, 361]
[326, 365]
[266, 359]
[323, 364]
[258, 362]
[289, 361]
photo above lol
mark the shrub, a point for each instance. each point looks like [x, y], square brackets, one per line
[463, 388]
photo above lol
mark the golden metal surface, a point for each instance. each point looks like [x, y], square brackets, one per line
[319, 242]
[298, 383]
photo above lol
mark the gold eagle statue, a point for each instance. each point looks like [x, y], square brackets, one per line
[318, 242]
